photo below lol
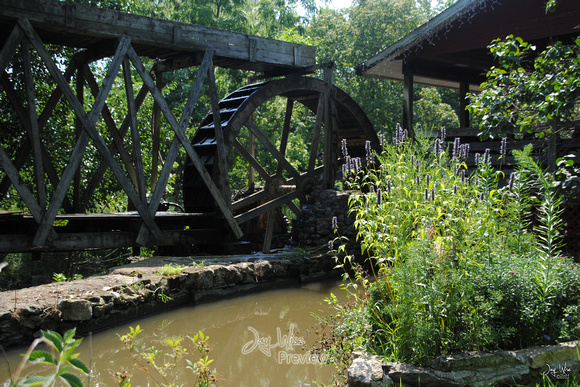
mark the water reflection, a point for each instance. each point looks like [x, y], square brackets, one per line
[257, 339]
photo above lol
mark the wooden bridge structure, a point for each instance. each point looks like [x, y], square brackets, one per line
[121, 45]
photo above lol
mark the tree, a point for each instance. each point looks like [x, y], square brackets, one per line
[526, 88]
[350, 36]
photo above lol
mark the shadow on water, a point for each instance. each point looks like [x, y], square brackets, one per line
[257, 339]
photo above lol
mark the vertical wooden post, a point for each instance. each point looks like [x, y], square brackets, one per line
[78, 130]
[34, 128]
[408, 100]
[222, 161]
[156, 128]
[552, 150]
[463, 102]
[251, 145]
[330, 130]
[132, 112]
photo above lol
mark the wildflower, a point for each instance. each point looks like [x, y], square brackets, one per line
[427, 179]
[455, 189]
[511, 181]
[456, 145]
[443, 133]
[417, 179]
[379, 193]
[389, 186]
[512, 272]
[334, 223]
[412, 160]
[330, 245]
[487, 156]
[432, 194]
[437, 154]
[344, 147]
[426, 194]
[369, 152]
[503, 150]
[382, 139]
[477, 159]
[547, 337]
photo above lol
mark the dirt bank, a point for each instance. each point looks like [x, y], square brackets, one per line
[139, 289]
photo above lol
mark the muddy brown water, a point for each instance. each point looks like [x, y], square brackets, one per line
[257, 340]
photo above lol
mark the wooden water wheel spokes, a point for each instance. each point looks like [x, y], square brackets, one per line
[279, 175]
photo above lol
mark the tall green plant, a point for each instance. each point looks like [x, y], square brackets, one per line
[550, 224]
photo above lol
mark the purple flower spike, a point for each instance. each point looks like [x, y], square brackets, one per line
[443, 133]
[344, 147]
[334, 223]
[503, 149]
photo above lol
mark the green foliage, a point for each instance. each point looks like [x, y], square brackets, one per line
[61, 358]
[162, 365]
[60, 277]
[527, 88]
[454, 267]
[170, 270]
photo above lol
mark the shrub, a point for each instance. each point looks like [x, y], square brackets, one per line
[454, 264]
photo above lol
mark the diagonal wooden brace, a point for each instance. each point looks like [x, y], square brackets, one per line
[179, 130]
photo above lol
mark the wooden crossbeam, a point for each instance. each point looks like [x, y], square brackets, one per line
[10, 46]
[98, 175]
[272, 149]
[118, 144]
[272, 204]
[27, 196]
[24, 119]
[252, 161]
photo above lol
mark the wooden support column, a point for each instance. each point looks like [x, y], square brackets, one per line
[552, 149]
[408, 99]
[132, 113]
[463, 102]
[34, 131]
[222, 168]
[156, 134]
[316, 133]
[330, 130]
[80, 89]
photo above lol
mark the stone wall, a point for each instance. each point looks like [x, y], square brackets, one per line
[503, 368]
[136, 290]
[313, 227]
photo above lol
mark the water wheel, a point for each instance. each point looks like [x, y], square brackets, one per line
[282, 167]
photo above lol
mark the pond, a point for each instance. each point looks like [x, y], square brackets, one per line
[256, 339]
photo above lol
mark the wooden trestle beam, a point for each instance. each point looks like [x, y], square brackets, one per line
[27, 28]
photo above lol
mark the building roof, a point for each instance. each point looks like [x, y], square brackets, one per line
[452, 48]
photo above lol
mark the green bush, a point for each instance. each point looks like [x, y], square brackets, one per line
[456, 263]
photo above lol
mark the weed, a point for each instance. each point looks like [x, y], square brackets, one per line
[61, 357]
[170, 270]
[162, 366]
